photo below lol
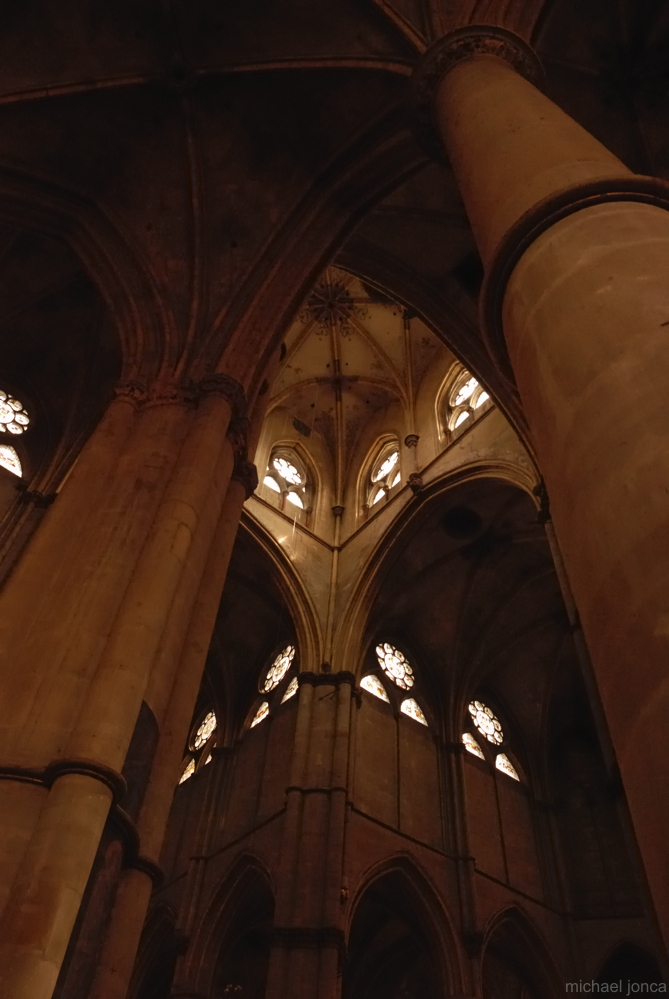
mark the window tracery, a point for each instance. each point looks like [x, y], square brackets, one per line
[384, 474]
[287, 477]
[278, 669]
[410, 707]
[464, 401]
[13, 417]
[373, 685]
[290, 691]
[395, 665]
[260, 714]
[10, 460]
[472, 746]
[488, 725]
[486, 722]
[200, 745]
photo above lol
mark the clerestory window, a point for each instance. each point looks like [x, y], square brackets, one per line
[486, 738]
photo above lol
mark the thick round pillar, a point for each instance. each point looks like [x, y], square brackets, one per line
[134, 572]
[575, 309]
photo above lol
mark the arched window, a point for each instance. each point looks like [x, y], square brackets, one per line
[200, 744]
[10, 460]
[13, 417]
[488, 739]
[287, 478]
[465, 399]
[384, 474]
[275, 684]
[393, 665]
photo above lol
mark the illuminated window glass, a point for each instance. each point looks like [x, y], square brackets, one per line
[10, 460]
[465, 396]
[384, 474]
[373, 685]
[395, 665]
[411, 708]
[472, 746]
[205, 730]
[13, 417]
[260, 714]
[287, 478]
[188, 770]
[503, 763]
[291, 690]
[486, 722]
[209, 759]
[278, 669]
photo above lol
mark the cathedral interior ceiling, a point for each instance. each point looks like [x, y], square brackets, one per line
[195, 135]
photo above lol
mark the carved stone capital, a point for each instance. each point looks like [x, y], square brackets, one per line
[246, 473]
[459, 46]
[227, 387]
[411, 440]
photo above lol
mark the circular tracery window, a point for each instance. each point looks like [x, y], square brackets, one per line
[205, 730]
[486, 722]
[395, 665]
[278, 669]
[13, 417]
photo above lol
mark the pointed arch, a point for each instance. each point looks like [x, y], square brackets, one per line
[513, 946]
[399, 879]
[156, 956]
[241, 908]
[350, 637]
[308, 629]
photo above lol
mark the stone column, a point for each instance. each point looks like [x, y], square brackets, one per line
[575, 311]
[117, 561]
[308, 938]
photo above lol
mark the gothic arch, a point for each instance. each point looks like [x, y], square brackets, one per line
[307, 626]
[400, 878]
[241, 907]
[156, 957]
[513, 950]
[350, 637]
[107, 253]
[628, 961]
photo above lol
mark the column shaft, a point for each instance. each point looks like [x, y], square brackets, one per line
[576, 249]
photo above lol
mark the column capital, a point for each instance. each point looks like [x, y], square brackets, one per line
[456, 47]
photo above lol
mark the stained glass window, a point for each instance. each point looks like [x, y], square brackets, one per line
[286, 476]
[472, 746]
[291, 690]
[205, 730]
[13, 417]
[411, 708]
[278, 669]
[373, 685]
[395, 665]
[503, 763]
[188, 770]
[385, 473]
[260, 714]
[464, 397]
[386, 466]
[10, 460]
[486, 722]
[209, 759]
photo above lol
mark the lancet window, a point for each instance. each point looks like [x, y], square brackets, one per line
[484, 736]
[466, 399]
[200, 744]
[288, 480]
[384, 474]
